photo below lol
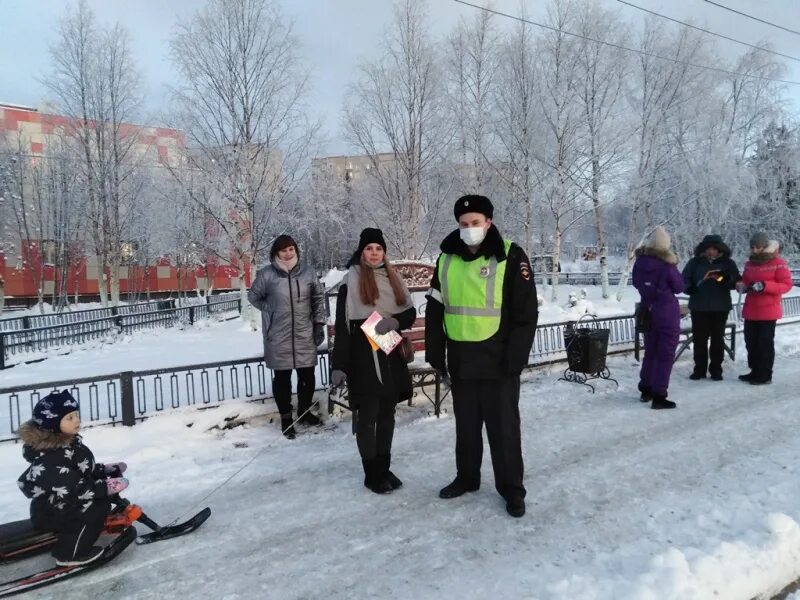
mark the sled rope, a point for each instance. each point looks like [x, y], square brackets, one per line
[215, 489]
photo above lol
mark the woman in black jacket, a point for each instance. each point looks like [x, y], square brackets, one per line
[376, 381]
[709, 278]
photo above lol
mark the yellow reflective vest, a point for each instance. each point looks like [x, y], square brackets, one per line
[472, 295]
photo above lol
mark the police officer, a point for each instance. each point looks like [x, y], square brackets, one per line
[482, 312]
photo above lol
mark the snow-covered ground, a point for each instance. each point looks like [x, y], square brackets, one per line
[623, 502]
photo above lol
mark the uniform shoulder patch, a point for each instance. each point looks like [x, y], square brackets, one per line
[525, 271]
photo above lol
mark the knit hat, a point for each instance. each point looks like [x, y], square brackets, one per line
[473, 203]
[759, 240]
[49, 411]
[660, 239]
[370, 235]
[281, 243]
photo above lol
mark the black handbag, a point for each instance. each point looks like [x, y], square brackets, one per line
[406, 349]
[643, 318]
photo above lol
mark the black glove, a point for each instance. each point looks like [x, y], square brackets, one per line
[386, 325]
[757, 286]
[319, 333]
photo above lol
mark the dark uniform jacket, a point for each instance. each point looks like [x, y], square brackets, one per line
[507, 352]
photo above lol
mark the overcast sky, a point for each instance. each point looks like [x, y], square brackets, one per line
[336, 36]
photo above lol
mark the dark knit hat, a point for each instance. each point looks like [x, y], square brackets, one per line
[281, 243]
[473, 203]
[759, 240]
[368, 236]
[49, 411]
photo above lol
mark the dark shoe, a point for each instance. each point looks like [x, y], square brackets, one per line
[458, 488]
[661, 403]
[91, 554]
[287, 426]
[746, 377]
[647, 393]
[393, 479]
[380, 487]
[374, 477]
[695, 376]
[760, 380]
[515, 507]
[716, 377]
[311, 419]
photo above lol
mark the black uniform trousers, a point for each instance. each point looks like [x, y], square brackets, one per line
[708, 325]
[77, 530]
[375, 425]
[282, 389]
[494, 402]
[759, 338]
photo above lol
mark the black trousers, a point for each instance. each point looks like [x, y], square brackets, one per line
[759, 338]
[282, 389]
[77, 530]
[494, 402]
[708, 326]
[375, 426]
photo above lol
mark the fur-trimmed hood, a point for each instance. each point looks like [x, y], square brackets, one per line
[713, 241]
[38, 439]
[492, 245]
[668, 256]
[771, 251]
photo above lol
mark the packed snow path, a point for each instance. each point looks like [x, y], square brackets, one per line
[623, 501]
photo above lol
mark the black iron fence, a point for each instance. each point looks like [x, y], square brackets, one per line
[76, 316]
[128, 397]
[19, 345]
[125, 398]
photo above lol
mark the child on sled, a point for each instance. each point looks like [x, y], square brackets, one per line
[69, 492]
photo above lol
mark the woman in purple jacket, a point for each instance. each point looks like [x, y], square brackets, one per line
[657, 280]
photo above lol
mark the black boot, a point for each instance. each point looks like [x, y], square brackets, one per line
[458, 488]
[746, 377]
[384, 461]
[374, 479]
[647, 393]
[311, 419]
[287, 426]
[515, 506]
[660, 402]
[697, 375]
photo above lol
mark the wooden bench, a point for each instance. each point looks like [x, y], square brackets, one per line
[686, 339]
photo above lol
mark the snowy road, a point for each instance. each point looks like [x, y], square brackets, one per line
[623, 502]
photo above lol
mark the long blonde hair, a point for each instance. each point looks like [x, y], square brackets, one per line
[368, 287]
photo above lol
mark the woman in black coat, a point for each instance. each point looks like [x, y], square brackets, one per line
[708, 278]
[376, 381]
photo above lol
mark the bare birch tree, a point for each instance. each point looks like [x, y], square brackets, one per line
[393, 115]
[97, 85]
[472, 63]
[241, 102]
[602, 70]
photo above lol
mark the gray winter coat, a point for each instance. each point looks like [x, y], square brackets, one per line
[290, 305]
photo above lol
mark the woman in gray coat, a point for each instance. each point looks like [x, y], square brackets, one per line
[292, 305]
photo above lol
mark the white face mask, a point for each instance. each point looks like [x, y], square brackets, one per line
[472, 236]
